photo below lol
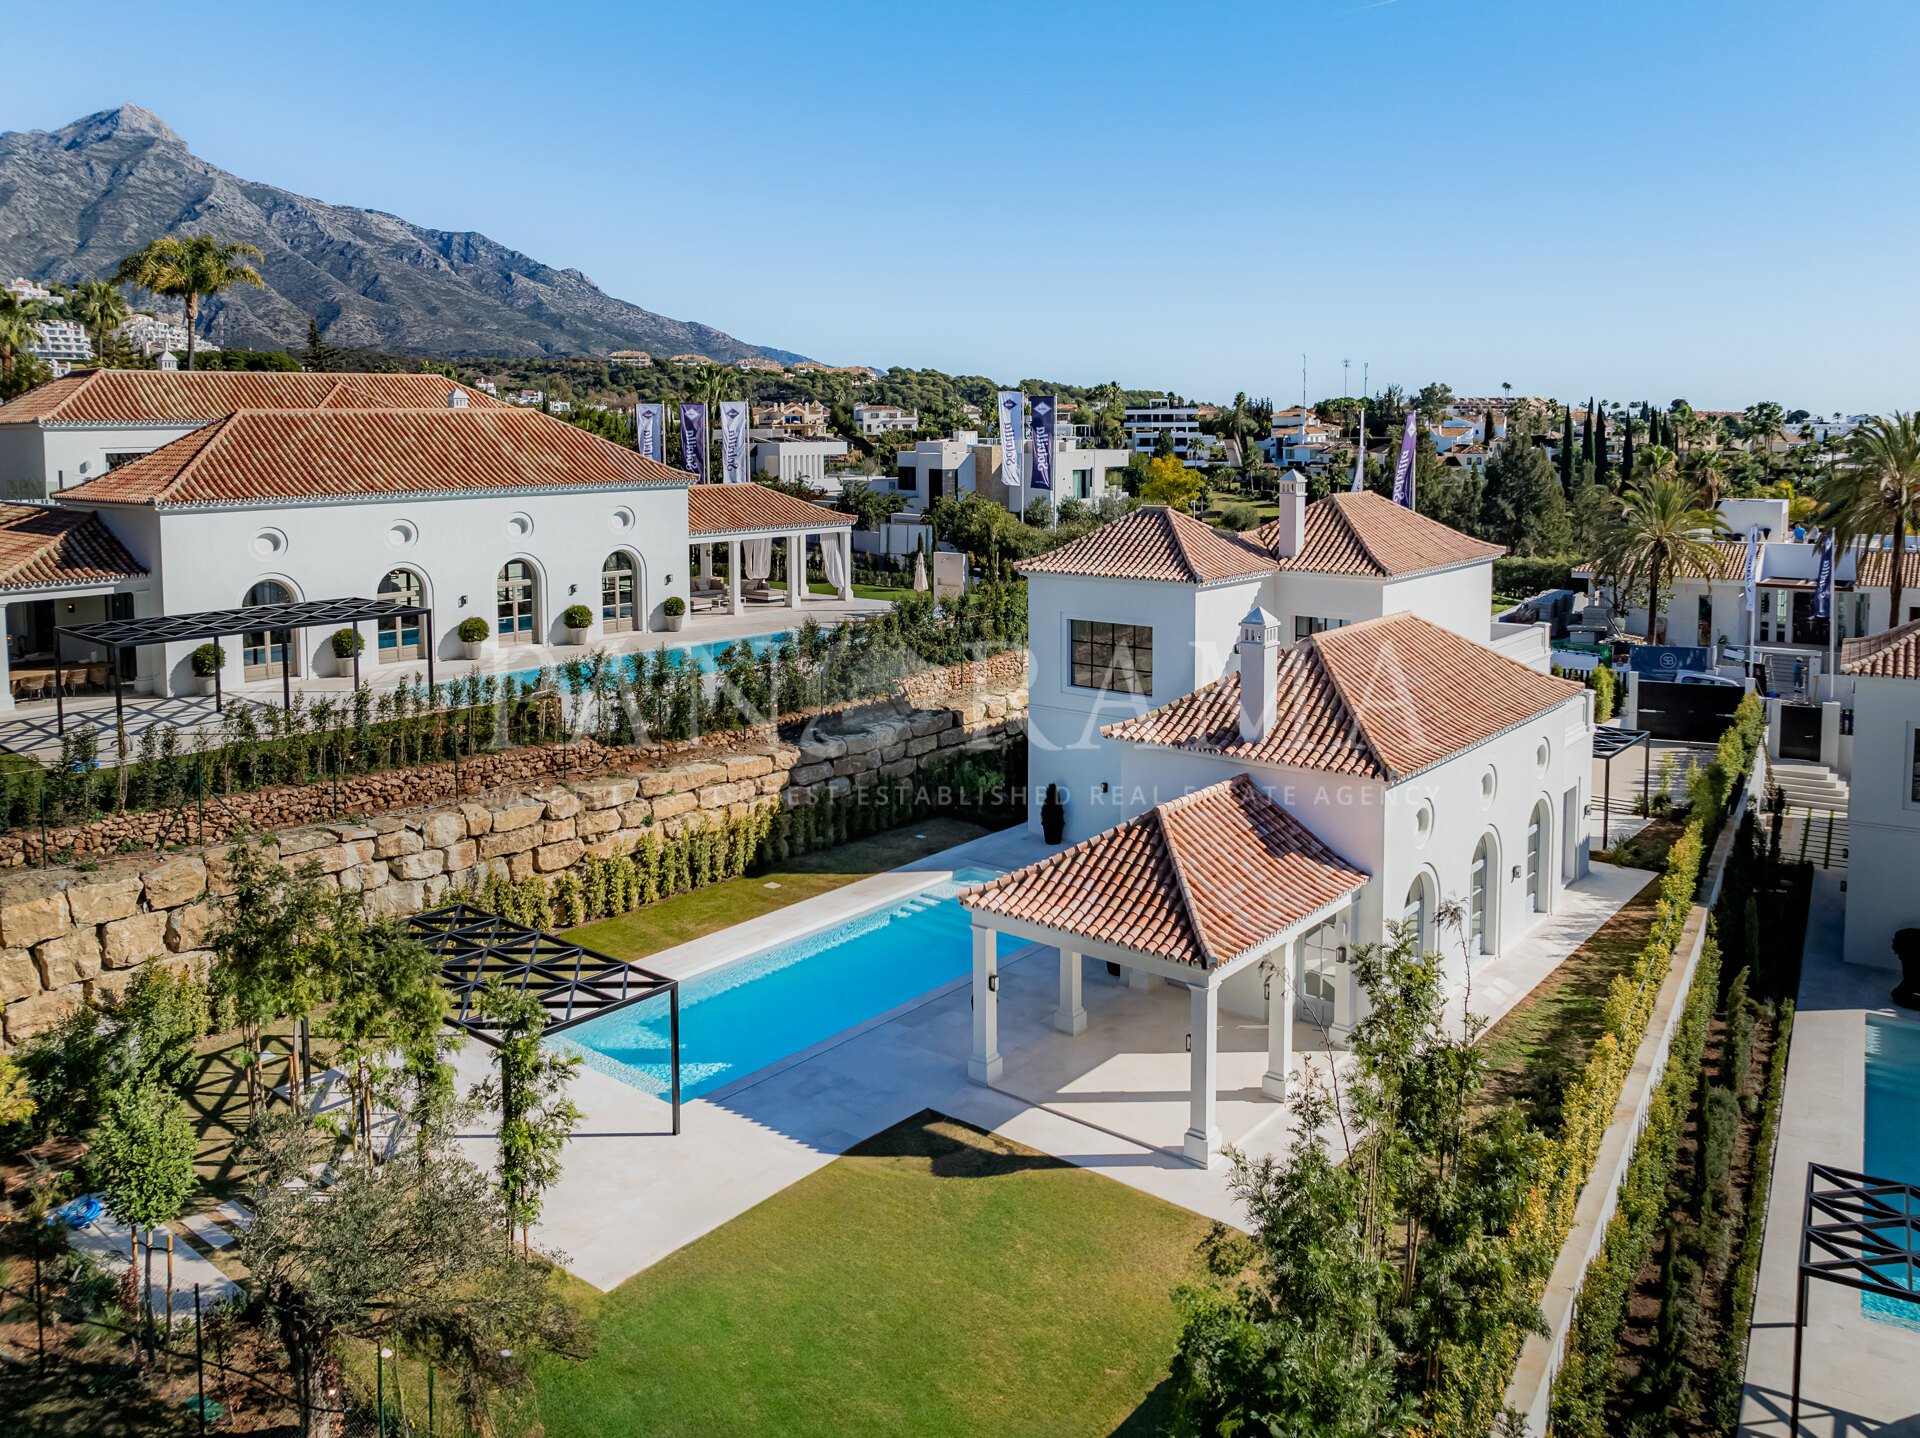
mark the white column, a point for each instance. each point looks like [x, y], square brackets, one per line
[846, 564]
[1071, 1016]
[984, 1063]
[736, 579]
[1203, 1129]
[1279, 1024]
[1138, 979]
[706, 566]
[796, 569]
[6, 658]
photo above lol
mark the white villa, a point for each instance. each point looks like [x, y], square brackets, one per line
[1272, 748]
[1883, 818]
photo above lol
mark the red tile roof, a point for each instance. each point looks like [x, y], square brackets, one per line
[1155, 542]
[1199, 880]
[1381, 700]
[1874, 569]
[130, 396]
[1893, 655]
[720, 508]
[42, 547]
[296, 455]
[1368, 535]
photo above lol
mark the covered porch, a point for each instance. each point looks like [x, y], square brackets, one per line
[740, 525]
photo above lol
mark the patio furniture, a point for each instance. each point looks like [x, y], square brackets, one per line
[97, 677]
[31, 685]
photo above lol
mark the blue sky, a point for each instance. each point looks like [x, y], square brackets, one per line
[1636, 200]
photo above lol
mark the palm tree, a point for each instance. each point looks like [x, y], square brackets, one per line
[1661, 532]
[99, 305]
[1707, 469]
[1656, 461]
[19, 327]
[189, 269]
[711, 383]
[1876, 490]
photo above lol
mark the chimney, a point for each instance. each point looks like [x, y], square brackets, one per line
[456, 399]
[167, 361]
[1259, 652]
[1290, 529]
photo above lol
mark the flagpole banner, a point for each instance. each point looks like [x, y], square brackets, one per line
[1403, 467]
[1752, 574]
[1823, 583]
[693, 439]
[1043, 418]
[1360, 462]
[650, 431]
[1012, 417]
[733, 441]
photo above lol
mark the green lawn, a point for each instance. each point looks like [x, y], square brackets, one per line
[863, 591]
[705, 911]
[934, 1281]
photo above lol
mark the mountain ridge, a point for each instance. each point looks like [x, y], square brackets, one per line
[76, 199]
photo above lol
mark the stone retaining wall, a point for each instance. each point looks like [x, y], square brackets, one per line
[70, 934]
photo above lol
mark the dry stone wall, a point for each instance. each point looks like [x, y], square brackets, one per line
[67, 935]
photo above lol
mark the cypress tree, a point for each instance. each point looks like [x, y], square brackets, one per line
[1586, 434]
[1566, 452]
[316, 352]
[1600, 476]
[1626, 449]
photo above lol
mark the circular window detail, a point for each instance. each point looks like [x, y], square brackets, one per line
[519, 526]
[1542, 756]
[622, 520]
[401, 534]
[1489, 785]
[1423, 824]
[269, 543]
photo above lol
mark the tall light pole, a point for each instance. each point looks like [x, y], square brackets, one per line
[1346, 380]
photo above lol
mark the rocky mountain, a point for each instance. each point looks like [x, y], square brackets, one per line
[74, 200]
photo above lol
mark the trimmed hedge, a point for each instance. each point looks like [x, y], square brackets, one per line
[1524, 577]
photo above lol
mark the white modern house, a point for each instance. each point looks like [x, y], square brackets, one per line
[878, 419]
[779, 454]
[1272, 748]
[1883, 816]
[965, 464]
[1145, 423]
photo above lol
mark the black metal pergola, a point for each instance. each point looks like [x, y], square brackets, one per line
[1859, 1232]
[1608, 744]
[572, 982]
[216, 624]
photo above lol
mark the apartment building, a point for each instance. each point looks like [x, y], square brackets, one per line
[878, 419]
[1145, 423]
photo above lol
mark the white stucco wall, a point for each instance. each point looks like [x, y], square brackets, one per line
[36, 461]
[1459, 599]
[1883, 820]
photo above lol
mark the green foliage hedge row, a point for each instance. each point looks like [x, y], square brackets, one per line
[1523, 576]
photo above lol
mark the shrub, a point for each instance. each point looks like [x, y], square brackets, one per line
[472, 630]
[347, 643]
[1526, 576]
[577, 616]
[674, 606]
[1605, 687]
[208, 659]
[1239, 518]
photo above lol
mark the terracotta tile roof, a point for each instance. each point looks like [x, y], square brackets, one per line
[296, 455]
[43, 547]
[1155, 542]
[1874, 568]
[128, 396]
[1368, 535]
[1893, 655]
[1382, 700]
[1199, 880]
[719, 508]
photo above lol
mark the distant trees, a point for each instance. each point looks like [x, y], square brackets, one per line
[1432, 402]
[1522, 505]
[189, 269]
[1170, 482]
[100, 307]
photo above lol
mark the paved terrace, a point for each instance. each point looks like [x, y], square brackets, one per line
[1113, 1100]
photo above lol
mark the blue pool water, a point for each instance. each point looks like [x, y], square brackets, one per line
[753, 1012]
[1893, 1127]
[706, 656]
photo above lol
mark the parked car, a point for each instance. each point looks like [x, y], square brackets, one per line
[1694, 676]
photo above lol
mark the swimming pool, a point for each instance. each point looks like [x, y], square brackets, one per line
[755, 1011]
[1892, 1120]
[705, 656]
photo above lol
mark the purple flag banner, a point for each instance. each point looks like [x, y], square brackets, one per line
[1823, 582]
[733, 442]
[693, 440]
[1403, 467]
[650, 431]
[1044, 413]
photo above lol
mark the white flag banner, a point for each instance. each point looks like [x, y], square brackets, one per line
[1752, 575]
[1360, 463]
[733, 441]
[1013, 428]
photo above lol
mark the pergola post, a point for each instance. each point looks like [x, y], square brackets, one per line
[286, 668]
[846, 565]
[983, 1062]
[119, 695]
[429, 649]
[218, 665]
[1202, 1144]
[59, 689]
[1279, 1023]
[796, 569]
[1071, 1016]
[736, 580]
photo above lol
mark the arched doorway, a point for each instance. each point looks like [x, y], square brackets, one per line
[1538, 838]
[263, 653]
[619, 594]
[400, 637]
[1419, 911]
[516, 595]
[1482, 908]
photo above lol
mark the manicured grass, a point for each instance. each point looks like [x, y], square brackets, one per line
[1544, 1038]
[934, 1281]
[718, 906]
[864, 591]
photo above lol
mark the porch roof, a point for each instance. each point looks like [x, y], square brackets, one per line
[44, 549]
[716, 511]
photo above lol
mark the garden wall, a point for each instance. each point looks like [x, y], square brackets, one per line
[73, 933]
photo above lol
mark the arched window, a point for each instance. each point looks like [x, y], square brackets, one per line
[515, 595]
[1480, 906]
[1419, 912]
[617, 593]
[400, 637]
[1537, 858]
[263, 653]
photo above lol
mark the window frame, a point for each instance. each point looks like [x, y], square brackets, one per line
[1090, 675]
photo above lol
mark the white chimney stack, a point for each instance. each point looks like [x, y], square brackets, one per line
[1259, 653]
[1290, 529]
[456, 399]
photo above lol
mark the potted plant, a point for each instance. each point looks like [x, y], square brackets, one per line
[674, 610]
[473, 632]
[1053, 816]
[578, 620]
[1906, 948]
[347, 645]
[207, 661]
